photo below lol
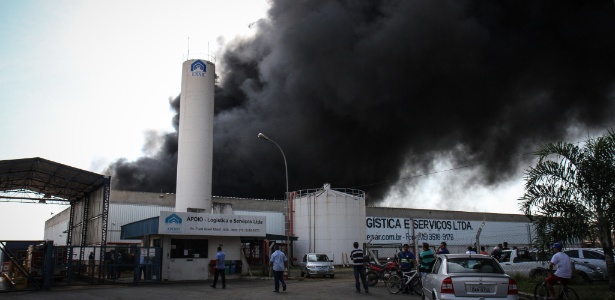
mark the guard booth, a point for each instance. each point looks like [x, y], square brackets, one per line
[148, 262]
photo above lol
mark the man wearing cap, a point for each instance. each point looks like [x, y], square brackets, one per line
[564, 268]
[406, 262]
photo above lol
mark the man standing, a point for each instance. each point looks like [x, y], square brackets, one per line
[497, 252]
[443, 249]
[406, 262]
[426, 259]
[359, 268]
[278, 264]
[470, 250]
[220, 256]
[564, 269]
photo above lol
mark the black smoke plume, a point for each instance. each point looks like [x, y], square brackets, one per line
[362, 93]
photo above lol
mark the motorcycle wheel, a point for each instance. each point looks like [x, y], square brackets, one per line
[372, 278]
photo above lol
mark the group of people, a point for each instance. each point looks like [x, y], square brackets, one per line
[406, 258]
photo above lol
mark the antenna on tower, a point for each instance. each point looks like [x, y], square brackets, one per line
[188, 54]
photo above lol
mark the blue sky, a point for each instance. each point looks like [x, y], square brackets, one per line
[83, 82]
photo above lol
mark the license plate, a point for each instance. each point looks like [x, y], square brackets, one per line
[480, 289]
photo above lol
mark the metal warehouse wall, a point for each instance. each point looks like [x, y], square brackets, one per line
[390, 212]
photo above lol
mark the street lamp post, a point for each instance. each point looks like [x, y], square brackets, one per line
[287, 226]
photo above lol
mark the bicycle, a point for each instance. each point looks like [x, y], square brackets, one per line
[395, 284]
[541, 291]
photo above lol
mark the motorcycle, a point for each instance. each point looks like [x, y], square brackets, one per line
[376, 272]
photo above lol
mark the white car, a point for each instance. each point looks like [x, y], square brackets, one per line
[468, 277]
[588, 256]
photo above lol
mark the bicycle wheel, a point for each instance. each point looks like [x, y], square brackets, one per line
[372, 278]
[569, 294]
[541, 292]
[416, 285]
[394, 284]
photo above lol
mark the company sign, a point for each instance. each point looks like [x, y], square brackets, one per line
[198, 68]
[433, 231]
[211, 224]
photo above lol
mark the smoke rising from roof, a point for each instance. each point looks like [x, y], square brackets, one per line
[363, 93]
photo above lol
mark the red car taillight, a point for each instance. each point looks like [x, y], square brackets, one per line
[512, 287]
[447, 286]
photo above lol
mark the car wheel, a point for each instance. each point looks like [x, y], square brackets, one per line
[307, 275]
[332, 275]
[302, 274]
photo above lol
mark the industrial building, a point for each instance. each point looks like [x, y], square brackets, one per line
[324, 220]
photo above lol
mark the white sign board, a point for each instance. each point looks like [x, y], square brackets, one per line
[186, 223]
[453, 232]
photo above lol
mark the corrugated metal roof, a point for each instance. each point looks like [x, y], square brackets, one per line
[51, 180]
[138, 229]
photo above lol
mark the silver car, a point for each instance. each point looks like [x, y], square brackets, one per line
[317, 264]
[468, 276]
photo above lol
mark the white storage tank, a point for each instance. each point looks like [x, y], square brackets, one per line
[328, 221]
[195, 140]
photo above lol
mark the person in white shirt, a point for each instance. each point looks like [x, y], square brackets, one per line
[564, 268]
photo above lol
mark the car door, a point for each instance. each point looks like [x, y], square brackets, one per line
[595, 258]
[431, 279]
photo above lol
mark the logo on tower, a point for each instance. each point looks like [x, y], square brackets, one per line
[198, 68]
[173, 223]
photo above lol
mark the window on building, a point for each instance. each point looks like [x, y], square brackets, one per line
[189, 248]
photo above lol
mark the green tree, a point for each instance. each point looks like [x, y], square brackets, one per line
[570, 194]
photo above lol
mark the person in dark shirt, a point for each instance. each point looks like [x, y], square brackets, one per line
[359, 268]
[443, 249]
[406, 262]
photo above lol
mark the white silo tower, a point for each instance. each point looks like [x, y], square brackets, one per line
[195, 140]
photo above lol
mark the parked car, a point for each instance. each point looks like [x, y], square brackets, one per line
[536, 264]
[593, 256]
[468, 276]
[317, 264]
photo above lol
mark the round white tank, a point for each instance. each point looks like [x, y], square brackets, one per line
[195, 140]
[328, 221]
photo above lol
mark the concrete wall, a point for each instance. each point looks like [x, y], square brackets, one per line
[169, 200]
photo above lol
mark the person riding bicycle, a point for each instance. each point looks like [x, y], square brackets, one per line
[564, 269]
[406, 261]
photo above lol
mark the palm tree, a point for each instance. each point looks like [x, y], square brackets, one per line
[570, 194]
